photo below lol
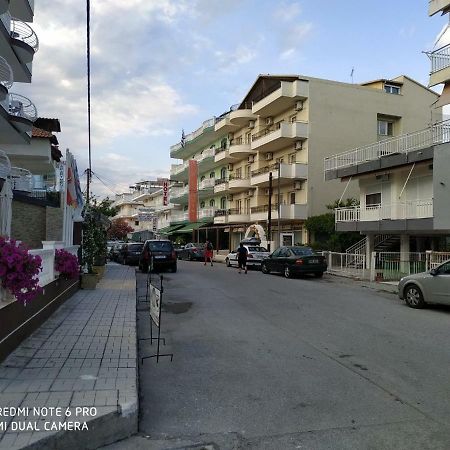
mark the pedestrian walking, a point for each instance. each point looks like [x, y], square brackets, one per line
[242, 257]
[209, 249]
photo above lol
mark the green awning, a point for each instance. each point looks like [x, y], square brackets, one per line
[190, 227]
[170, 228]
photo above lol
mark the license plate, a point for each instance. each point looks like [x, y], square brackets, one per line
[314, 261]
[160, 257]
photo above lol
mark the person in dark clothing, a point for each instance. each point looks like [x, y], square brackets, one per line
[242, 257]
[209, 249]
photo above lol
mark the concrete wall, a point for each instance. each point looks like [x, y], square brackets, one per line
[441, 187]
[54, 224]
[28, 224]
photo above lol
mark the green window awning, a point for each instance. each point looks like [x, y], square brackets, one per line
[170, 229]
[190, 227]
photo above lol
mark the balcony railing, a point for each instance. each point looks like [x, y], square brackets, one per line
[21, 179]
[436, 134]
[6, 73]
[440, 58]
[220, 181]
[276, 126]
[206, 212]
[5, 165]
[21, 106]
[265, 169]
[207, 183]
[23, 32]
[409, 209]
[195, 134]
[206, 154]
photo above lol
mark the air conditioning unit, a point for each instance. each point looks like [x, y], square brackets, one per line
[251, 158]
[230, 197]
[298, 105]
[250, 193]
[251, 124]
[269, 156]
[230, 166]
[269, 121]
[298, 145]
[298, 185]
[267, 191]
[384, 177]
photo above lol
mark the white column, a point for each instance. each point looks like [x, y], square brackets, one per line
[370, 247]
[404, 253]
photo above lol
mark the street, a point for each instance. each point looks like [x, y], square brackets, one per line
[264, 362]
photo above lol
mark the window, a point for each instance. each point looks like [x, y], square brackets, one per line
[391, 89]
[223, 143]
[223, 173]
[292, 198]
[293, 119]
[373, 199]
[385, 128]
[444, 269]
[238, 173]
[212, 203]
[223, 203]
[202, 178]
[212, 175]
[292, 158]
[136, 222]
[202, 204]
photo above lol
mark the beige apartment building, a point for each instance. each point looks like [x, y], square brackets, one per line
[286, 126]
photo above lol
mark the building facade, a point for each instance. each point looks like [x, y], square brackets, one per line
[282, 130]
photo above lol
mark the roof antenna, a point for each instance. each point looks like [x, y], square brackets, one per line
[351, 73]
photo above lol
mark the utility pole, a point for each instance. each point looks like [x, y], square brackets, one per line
[279, 206]
[269, 214]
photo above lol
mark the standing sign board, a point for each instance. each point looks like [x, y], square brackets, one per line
[155, 304]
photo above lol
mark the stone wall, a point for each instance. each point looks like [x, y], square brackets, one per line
[54, 224]
[28, 224]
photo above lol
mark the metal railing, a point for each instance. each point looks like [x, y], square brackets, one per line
[440, 58]
[347, 264]
[265, 169]
[410, 209]
[206, 212]
[269, 130]
[436, 134]
[220, 181]
[21, 106]
[23, 32]
[5, 165]
[435, 259]
[21, 179]
[191, 136]
[391, 266]
[6, 73]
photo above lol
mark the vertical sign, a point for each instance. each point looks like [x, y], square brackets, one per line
[193, 190]
[165, 192]
[155, 223]
[155, 304]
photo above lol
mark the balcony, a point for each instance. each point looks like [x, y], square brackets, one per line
[21, 179]
[221, 185]
[287, 174]
[179, 172]
[195, 140]
[395, 151]
[238, 183]
[6, 78]
[224, 125]
[207, 184]
[22, 9]
[282, 98]
[206, 213]
[220, 216]
[22, 112]
[179, 217]
[279, 135]
[223, 156]
[410, 209]
[241, 149]
[235, 215]
[24, 41]
[434, 6]
[241, 117]
[440, 65]
[206, 159]
[179, 194]
[296, 211]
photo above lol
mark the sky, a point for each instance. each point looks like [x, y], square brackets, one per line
[160, 66]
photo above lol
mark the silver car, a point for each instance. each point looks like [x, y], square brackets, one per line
[255, 255]
[428, 287]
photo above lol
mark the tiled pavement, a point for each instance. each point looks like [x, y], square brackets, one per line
[84, 355]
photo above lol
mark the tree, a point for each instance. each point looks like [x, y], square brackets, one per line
[322, 229]
[105, 207]
[119, 229]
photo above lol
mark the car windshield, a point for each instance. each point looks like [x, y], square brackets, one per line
[163, 246]
[257, 249]
[302, 251]
[135, 247]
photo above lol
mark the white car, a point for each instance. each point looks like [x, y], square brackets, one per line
[255, 255]
[428, 287]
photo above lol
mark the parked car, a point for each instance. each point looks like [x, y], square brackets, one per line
[192, 251]
[163, 254]
[114, 252]
[427, 287]
[255, 254]
[130, 253]
[294, 260]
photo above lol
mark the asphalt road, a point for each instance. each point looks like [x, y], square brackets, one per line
[263, 362]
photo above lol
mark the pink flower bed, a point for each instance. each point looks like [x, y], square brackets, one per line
[66, 264]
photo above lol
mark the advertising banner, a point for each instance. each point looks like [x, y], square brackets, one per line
[193, 190]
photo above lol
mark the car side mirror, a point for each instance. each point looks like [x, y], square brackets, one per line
[433, 272]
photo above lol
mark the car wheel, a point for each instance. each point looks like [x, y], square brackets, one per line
[318, 274]
[227, 262]
[264, 268]
[287, 272]
[414, 297]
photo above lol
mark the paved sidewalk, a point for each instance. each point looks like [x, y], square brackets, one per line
[84, 355]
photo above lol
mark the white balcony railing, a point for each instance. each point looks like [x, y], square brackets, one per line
[209, 153]
[436, 134]
[21, 179]
[21, 106]
[5, 165]
[207, 183]
[191, 136]
[6, 73]
[23, 32]
[409, 209]
[177, 169]
[206, 212]
[440, 58]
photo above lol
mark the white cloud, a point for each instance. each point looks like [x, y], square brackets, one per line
[287, 11]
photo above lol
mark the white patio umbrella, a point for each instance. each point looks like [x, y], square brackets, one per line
[6, 196]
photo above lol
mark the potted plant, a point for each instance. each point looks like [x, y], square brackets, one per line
[18, 272]
[66, 264]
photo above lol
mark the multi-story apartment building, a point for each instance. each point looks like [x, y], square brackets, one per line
[403, 181]
[285, 126]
